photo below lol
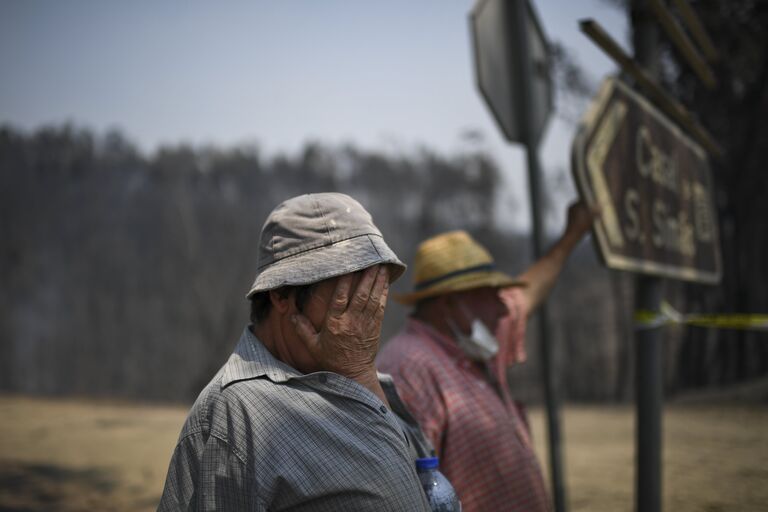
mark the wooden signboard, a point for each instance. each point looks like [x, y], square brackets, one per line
[654, 187]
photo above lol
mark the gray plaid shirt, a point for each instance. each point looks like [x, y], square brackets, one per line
[262, 436]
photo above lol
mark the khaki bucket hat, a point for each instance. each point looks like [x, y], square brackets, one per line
[453, 262]
[314, 237]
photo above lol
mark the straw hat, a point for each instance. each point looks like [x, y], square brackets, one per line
[453, 262]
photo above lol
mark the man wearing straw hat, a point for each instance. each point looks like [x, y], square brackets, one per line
[449, 363]
[297, 418]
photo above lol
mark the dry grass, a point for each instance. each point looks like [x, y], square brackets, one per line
[81, 455]
[715, 457]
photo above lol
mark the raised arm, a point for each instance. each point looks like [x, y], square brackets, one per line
[542, 275]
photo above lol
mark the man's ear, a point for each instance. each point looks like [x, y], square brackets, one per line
[448, 302]
[281, 302]
[444, 305]
[454, 308]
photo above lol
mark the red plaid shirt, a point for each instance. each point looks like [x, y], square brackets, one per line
[481, 436]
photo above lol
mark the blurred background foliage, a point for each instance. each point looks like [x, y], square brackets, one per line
[123, 274]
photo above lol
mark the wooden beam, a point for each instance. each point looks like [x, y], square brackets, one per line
[694, 25]
[664, 101]
[683, 43]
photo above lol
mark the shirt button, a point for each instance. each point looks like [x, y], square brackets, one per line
[323, 378]
[383, 409]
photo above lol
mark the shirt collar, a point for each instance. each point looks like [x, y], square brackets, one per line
[447, 344]
[251, 360]
[450, 348]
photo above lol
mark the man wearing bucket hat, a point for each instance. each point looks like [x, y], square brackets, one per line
[297, 418]
[449, 363]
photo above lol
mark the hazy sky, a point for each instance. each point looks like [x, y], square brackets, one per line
[390, 75]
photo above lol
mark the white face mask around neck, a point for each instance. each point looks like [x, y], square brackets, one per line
[480, 345]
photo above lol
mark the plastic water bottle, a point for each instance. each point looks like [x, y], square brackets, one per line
[440, 493]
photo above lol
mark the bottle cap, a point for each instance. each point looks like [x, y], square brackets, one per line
[427, 463]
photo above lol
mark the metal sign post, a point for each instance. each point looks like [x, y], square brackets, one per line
[653, 184]
[531, 136]
[513, 75]
[654, 188]
[650, 383]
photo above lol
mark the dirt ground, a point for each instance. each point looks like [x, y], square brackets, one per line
[75, 455]
[715, 457]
